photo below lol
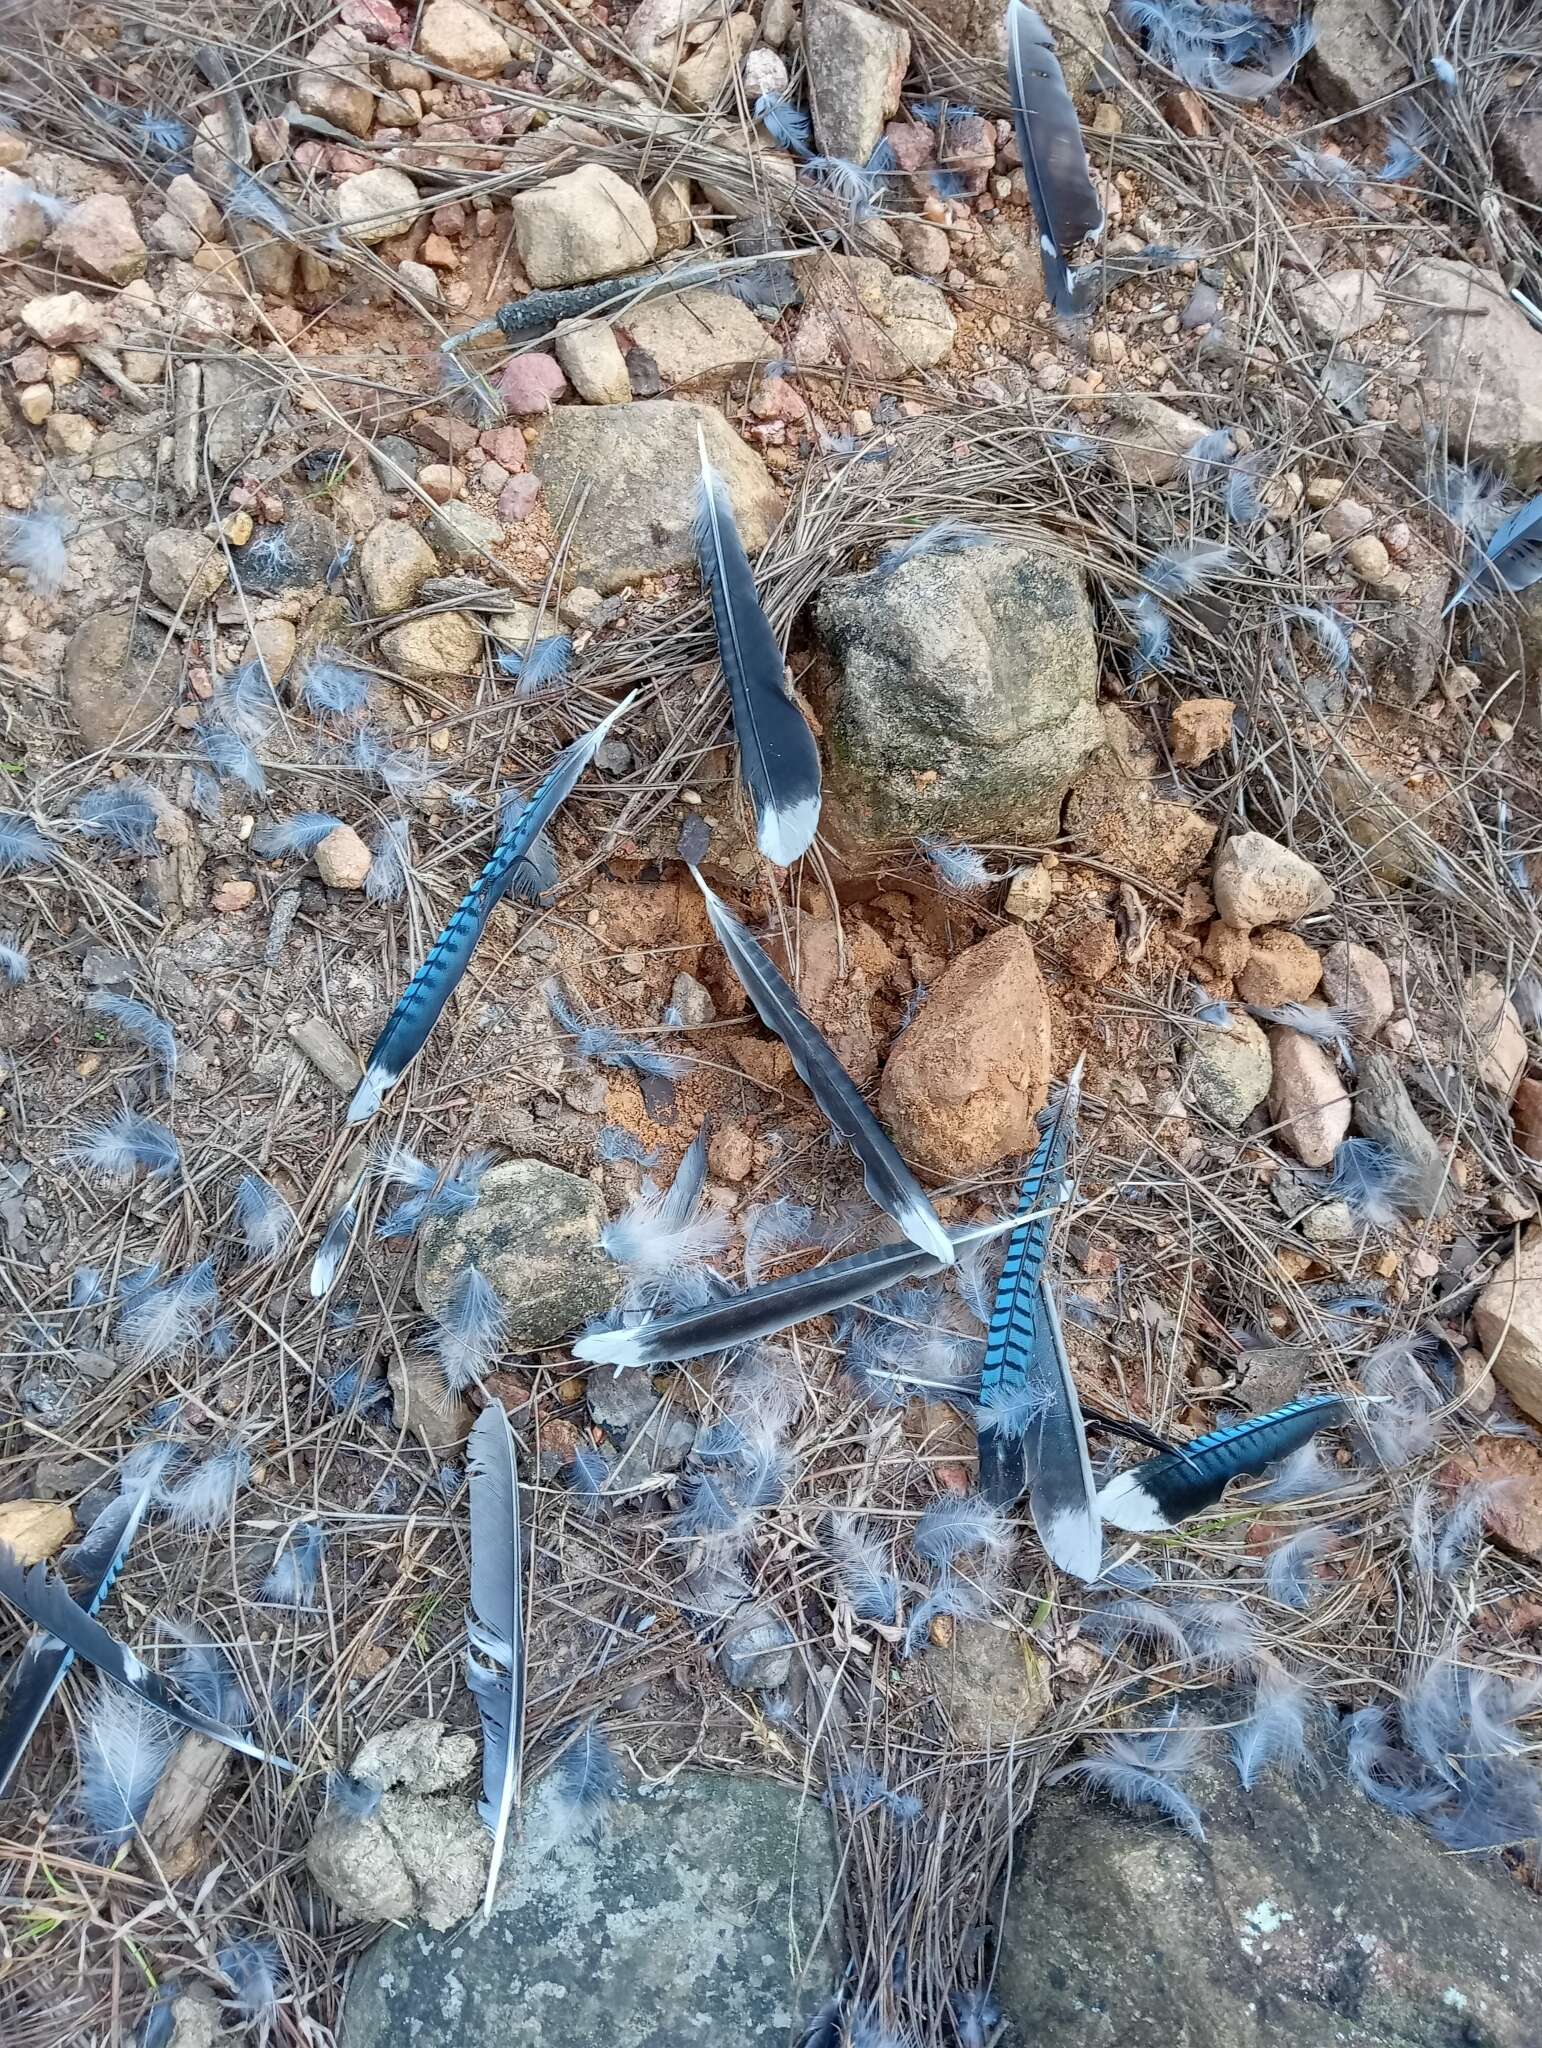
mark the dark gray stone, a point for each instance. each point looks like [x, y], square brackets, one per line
[1384, 1111]
[239, 397]
[309, 547]
[627, 1409]
[1305, 1919]
[964, 701]
[688, 1919]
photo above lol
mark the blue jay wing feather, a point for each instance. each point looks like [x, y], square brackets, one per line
[1061, 1493]
[1162, 1492]
[778, 755]
[39, 1670]
[496, 1672]
[520, 865]
[1049, 139]
[1012, 1332]
[885, 1175]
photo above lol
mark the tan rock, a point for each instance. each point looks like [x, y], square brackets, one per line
[1308, 1098]
[374, 205]
[394, 564]
[1497, 1044]
[69, 434]
[857, 65]
[342, 859]
[1507, 1323]
[698, 336]
[881, 323]
[991, 1685]
[1357, 982]
[32, 1530]
[1281, 968]
[593, 364]
[184, 569]
[64, 320]
[586, 224]
[232, 897]
[334, 81]
[461, 39]
[440, 481]
[1335, 307]
[1257, 881]
[188, 201]
[1368, 559]
[699, 80]
[1150, 440]
[1029, 895]
[1227, 949]
[964, 1083]
[1526, 1115]
[272, 642]
[23, 221]
[99, 239]
[1484, 359]
[35, 402]
[670, 204]
[440, 1420]
[731, 1154]
[1199, 727]
[443, 643]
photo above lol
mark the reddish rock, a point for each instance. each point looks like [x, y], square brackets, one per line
[532, 383]
[1527, 1112]
[230, 897]
[99, 239]
[1281, 968]
[1514, 1517]
[518, 499]
[1507, 1323]
[966, 1080]
[1200, 727]
[1308, 1098]
[1227, 949]
[1358, 983]
[506, 446]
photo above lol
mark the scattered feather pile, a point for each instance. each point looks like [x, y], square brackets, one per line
[1227, 49]
[611, 1048]
[123, 814]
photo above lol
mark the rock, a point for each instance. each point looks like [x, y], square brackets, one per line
[310, 544]
[1231, 1069]
[586, 224]
[1526, 1116]
[69, 434]
[238, 400]
[342, 859]
[1199, 727]
[1258, 881]
[230, 898]
[184, 569]
[878, 321]
[1507, 1323]
[23, 222]
[964, 697]
[272, 642]
[1367, 559]
[459, 530]
[98, 238]
[440, 1420]
[442, 643]
[1379, 815]
[372, 206]
[195, 2019]
[535, 1234]
[1342, 304]
[1152, 440]
[394, 563]
[333, 82]
[1280, 968]
[187, 199]
[418, 1857]
[32, 1530]
[461, 39]
[990, 1683]
[926, 248]
[1514, 1466]
[1355, 59]
[532, 382]
[703, 75]
[64, 320]
[116, 685]
[1148, 835]
[696, 336]
[977, 25]
[1384, 1111]
[1485, 359]
[966, 1079]
[393, 458]
[1307, 1918]
[692, 1003]
[591, 357]
[596, 1932]
[1029, 895]
[1357, 982]
[657, 1433]
[1308, 1099]
[1517, 149]
[35, 402]
[640, 463]
[755, 1654]
[1497, 1047]
[856, 64]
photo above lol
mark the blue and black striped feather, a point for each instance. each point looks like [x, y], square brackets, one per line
[521, 865]
[1162, 1492]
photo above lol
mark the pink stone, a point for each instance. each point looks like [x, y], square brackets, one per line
[517, 499]
[504, 445]
[378, 20]
[532, 383]
[347, 162]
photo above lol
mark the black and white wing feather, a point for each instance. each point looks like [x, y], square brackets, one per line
[885, 1175]
[778, 755]
[1061, 1492]
[1049, 139]
[495, 1665]
[1161, 1492]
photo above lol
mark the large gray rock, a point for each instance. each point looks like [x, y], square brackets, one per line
[964, 697]
[1483, 365]
[1355, 59]
[1306, 1919]
[684, 1920]
[114, 683]
[535, 1234]
[640, 465]
[856, 66]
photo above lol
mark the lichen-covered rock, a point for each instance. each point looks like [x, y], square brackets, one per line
[589, 223]
[966, 1080]
[867, 315]
[1507, 1323]
[702, 1899]
[535, 1234]
[1231, 1069]
[1257, 881]
[1307, 1918]
[856, 64]
[964, 697]
[440, 643]
[990, 1683]
[639, 466]
[1484, 359]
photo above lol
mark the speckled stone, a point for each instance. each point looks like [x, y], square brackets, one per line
[675, 1926]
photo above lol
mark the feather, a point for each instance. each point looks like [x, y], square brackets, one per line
[205, 1497]
[1399, 1421]
[1289, 1578]
[1244, 504]
[616, 1143]
[295, 1574]
[649, 1245]
[509, 869]
[264, 1218]
[137, 1020]
[125, 1747]
[127, 1145]
[205, 1677]
[975, 2015]
[1245, 82]
[245, 701]
[857, 187]
[788, 126]
[231, 756]
[1133, 1619]
[1373, 1180]
[255, 1973]
[1214, 450]
[39, 1670]
[588, 1476]
[1462, 1531]
[404, 775]
[21, 844]
[33, 544]
[1152, 628]
[495, 1663]
[1409, 137]
[1304, 1475]
[956, 1525]
[1049, 140]
[862, 1569]
[544, 661]
[774, 1227]
[1327, 629]
[1135, 1789]
[86, 1289]
[945, 537]
[778, 758]
[162, 1321]
[1511, 561]
[611, 1048]
[1387, 1775]
[15, 965]
[47, 1605]
[352, 1797]
[122, 812]
[587, 1780]
[1163, 1747]
[957, 1599]
[886, 1177]
[333, 688]
[1329, 172]
[1275, 1730]
[469, 1331]
[1319, 1021]
[387, 876]
[296, 837]
[1189, 566]
[959, 867]
[333, 1249]
[1162, 1492]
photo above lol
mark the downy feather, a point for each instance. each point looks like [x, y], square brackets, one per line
[333, 688]
[387, 877]
[404, 775]
[495, 1662]
[1188, 566]
[1152, 628]
[469, 1331]
[296, 837]
[778, 757]
[121, 813]
[1136, 1790]
[588, 1781]
[588, 1476]
[265, 1220]
[957, 1525]
[1289, 1575]
[886, 1177]
[649, 1244]
[1054, 157]
[205, 1497]
[34, 545]
[788, 126]
[1461, 1533]
[1409, 138]
[125, 1747]
[944, 537]
[509, 869]
[352, 1797]
[959, 867]
[21, 844]
[138, 1021]
[1387, 1775]
[1327, 629]
[232, 757]
[544, 662]
[255, 1973]
[162, 1321]
[127, 1145]
[862, 1569]
[1275, 1732]
[772, 1228]
[294, 1577]
[1374, 1180]
[15, 964]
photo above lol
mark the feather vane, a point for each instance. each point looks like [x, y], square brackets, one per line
[1049, 138]
[495, 1665]
[1161, 1492]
